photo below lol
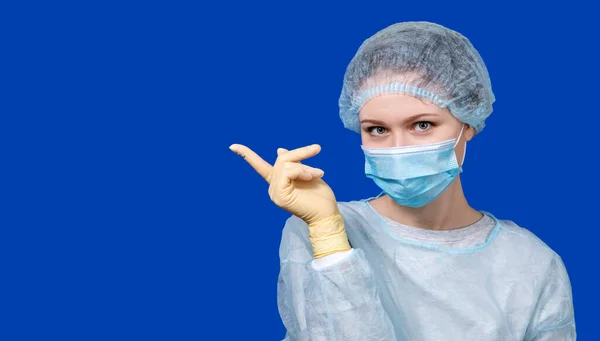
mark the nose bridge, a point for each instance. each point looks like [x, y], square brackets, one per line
[400, 138]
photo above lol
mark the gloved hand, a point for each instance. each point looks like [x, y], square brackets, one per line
[299, 189]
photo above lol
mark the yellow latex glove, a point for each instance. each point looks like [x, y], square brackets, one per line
[300, 190]
[328, 236]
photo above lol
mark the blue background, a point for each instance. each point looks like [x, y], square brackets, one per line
[126, 217]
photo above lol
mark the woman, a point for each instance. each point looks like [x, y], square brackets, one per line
[416, 262]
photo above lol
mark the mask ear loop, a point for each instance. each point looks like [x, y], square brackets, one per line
[462, 128]
[456, 144]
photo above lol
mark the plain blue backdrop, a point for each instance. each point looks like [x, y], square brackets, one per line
[125, 216]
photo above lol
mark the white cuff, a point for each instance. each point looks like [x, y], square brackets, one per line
[323, 262]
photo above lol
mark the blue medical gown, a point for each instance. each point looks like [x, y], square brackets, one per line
[512, 286]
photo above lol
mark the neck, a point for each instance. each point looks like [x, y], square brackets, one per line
[448, 211]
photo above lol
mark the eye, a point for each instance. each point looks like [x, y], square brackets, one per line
[422, 125]
[377, 130]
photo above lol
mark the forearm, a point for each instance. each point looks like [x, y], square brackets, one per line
[327, 298]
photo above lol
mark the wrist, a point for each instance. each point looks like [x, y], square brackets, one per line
[328, 236]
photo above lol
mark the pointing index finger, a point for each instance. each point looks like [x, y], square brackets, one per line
[262, 167]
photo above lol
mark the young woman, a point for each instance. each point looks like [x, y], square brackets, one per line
[416, 262]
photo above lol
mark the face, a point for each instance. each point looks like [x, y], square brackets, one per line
[402, 120]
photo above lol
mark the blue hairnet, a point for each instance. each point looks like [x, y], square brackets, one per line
[422, 59]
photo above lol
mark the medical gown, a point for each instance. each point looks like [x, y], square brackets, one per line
[504, 285]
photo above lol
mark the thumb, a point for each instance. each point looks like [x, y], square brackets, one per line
[281, 151]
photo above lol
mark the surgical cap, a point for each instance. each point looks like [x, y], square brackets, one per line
[422, 59]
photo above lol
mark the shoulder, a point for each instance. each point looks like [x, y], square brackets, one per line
[295, 243]
[514, 239]
[295, 231]
[522, 236]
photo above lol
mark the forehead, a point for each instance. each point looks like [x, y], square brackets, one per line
[398, 106]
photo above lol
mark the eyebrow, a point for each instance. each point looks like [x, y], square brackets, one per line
[412, 118]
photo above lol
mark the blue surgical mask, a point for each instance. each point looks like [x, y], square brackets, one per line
[414, 175]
